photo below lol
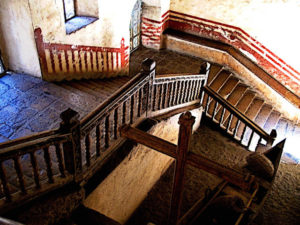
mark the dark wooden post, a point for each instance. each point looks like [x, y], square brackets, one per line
[149, 66]
[72, 148]
[186, 122]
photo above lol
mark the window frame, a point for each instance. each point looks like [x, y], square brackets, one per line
[74, 9]
[2, 65]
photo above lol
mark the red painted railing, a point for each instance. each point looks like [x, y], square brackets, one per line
[65, 61]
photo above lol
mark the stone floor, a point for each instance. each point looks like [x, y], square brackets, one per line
[29, 104]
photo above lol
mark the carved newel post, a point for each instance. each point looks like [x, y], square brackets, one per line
[148, 69]
[72, 148]
[186, 122]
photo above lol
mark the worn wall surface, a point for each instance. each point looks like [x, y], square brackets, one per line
[119, 195]
[87, 8]
[16, 37]
[274, 23]
[107, 31]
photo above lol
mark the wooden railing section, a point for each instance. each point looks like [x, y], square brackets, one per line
[65, 61]
[234, 122]
[34, 165]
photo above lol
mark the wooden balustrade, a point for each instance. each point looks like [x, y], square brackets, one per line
[215, 105]
[78, 149]
[65, 61]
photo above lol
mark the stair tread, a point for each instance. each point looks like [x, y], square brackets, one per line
[254, 108]
[272, 121]
[76, 90]
[228, 87]
[213, 72]
[263, 115]
[217, 83]
[245, 101]
[281, 127]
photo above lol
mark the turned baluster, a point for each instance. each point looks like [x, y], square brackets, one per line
[124, 113]
[88, 149]
[20, 174]
[215, 110]
[243, 133]
[4, 182]
[116, 123]
[98, 138]
[222, 115]
[61, 165]
[35, 170]
[140, 96]
[236, 128]
[131, 109]
[250, 139]
[171, 94]
[229, 122]
[107, 133]
[48, 164]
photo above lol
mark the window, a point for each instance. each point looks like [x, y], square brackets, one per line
[135, 26]
[69, 8]
[78, 14]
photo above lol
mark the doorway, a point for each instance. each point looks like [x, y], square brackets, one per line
[135, 26]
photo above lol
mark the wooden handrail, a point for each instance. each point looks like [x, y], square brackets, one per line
[145, 95]
[29, 138]
[237, 113]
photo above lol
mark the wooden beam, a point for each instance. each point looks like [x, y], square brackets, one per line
[149, 140]
[235, 177]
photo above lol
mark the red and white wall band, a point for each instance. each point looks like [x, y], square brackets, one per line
[232, 35]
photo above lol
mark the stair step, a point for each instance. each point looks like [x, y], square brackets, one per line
[251, 113]
[213, 72]
[263, 115]
[218, 82]
[234, 98]
[76, 90]
[225, 91]
[272, 121]
[85, 88]
[281, 128]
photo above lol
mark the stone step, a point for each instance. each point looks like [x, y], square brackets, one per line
[263, 115]
[234, 98]
[251, 113]
[213, 72]
[272, 121]
[225, 91]
[218, 82]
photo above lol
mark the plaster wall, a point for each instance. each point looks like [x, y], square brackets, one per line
[87, 8]
[272, 22]
[120, 194]
[107, 31]
[17, 38]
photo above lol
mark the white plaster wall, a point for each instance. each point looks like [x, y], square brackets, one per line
[154, 9]
[274, 23]
[87, 8]
[112, 26]
[17, 38]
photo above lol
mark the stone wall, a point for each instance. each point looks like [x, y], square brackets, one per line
[16, 37]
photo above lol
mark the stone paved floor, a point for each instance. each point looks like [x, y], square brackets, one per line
[29, 104]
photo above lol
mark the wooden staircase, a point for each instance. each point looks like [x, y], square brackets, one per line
[248, 101]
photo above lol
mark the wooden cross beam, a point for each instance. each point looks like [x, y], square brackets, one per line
[182, 156]
[201, 162]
